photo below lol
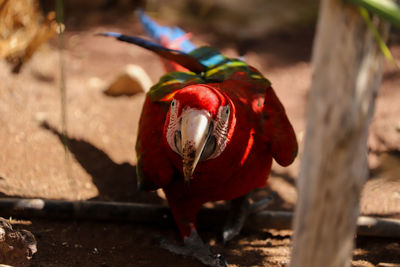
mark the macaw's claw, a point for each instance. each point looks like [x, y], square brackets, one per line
[262, 204]
[240, 209]
[236, 218]
[195, 248]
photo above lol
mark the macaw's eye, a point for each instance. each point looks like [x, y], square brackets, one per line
[173, 103]
[225, 113]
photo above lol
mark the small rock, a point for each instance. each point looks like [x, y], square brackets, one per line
[16, 247]
[132, 80]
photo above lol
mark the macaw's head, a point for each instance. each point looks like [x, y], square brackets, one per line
[199, 125]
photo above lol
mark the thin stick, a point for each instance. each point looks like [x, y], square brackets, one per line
[159, 214]
[63, 89]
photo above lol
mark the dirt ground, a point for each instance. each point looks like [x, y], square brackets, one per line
[102, 133]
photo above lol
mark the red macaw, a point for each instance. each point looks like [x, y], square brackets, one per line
[208, 134]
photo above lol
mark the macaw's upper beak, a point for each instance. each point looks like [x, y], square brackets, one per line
[195, 132]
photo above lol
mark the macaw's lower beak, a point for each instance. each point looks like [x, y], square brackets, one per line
[195, 132]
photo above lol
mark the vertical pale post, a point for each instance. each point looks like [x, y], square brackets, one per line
[347, 72]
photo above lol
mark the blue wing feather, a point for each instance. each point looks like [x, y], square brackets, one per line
[156, 32]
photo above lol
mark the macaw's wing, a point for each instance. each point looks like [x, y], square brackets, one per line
[153, 169]
[278, 132]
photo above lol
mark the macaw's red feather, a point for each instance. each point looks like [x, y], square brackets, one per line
[201, 96]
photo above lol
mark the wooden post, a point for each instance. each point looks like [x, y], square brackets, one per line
[347, 74]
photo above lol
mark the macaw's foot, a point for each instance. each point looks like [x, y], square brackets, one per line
[241, 207]
[195, 248]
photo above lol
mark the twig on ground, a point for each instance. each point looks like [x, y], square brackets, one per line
[151, 213]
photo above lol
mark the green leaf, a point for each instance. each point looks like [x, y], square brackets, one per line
[59, 11]
[382, 45]
[386, 9]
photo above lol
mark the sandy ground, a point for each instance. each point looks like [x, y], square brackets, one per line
[102, 133]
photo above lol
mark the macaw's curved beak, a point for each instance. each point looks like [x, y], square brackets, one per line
[195, 132]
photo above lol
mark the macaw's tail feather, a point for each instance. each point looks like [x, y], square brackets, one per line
[170, 37]
[183, 59]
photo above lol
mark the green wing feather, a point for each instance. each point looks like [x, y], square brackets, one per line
[171, 82]
[218, 69]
